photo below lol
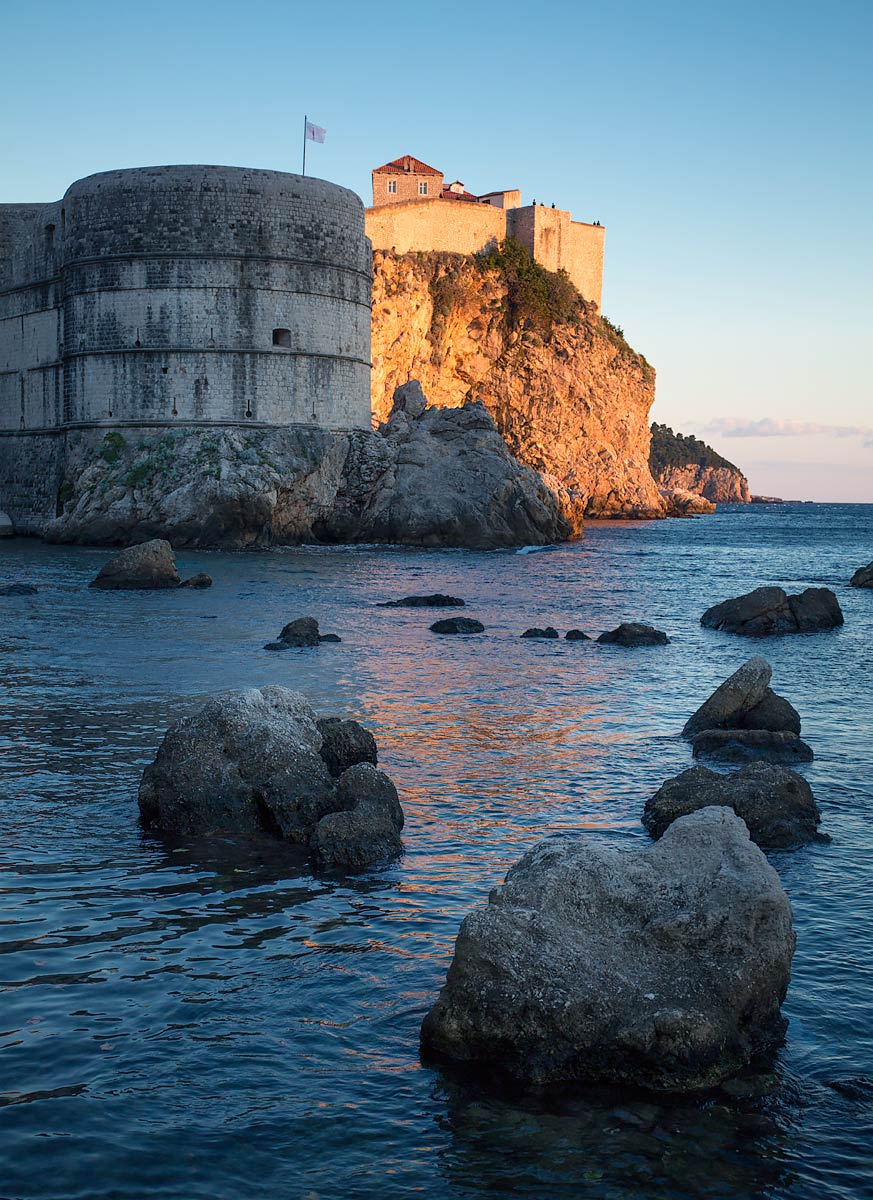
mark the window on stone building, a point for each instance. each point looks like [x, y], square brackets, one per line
[422, 188]
[282, 337]
[392, 185]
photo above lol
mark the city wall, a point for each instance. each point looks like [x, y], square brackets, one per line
[459, 227]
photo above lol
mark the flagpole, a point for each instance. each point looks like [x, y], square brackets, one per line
[305, 122]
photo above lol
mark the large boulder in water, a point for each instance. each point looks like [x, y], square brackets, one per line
[632, 633]
[745, 701]
[776, 804]
[739, 693]
[863, 577]
[256, 762]
[769, 610]
[148, 565]
[247, 762]
[663, 966]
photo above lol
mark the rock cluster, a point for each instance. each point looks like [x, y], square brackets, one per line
[769, 610]
[148, 565]
[663, 967]
[260, 762]
[744, 718]
[428, 477]
[776, 804]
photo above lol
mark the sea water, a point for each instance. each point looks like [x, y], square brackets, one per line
[219, 1022]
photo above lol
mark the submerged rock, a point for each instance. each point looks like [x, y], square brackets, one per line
[436, 600]
[344, 744]
[18, 589]
[769, 610]
[457, 625]
[776, 804]
[201, 580]
[536, 632]
[148, 565]
[260, 762]
[735, 744]
[576, 635]
[863, 577]
[301, 632]
[367, 829]
[632, 633]
[662, 967]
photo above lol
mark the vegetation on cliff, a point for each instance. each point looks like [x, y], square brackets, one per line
[671, 449]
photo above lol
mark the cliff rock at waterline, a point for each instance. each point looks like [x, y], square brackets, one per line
[685, 463]
[569, 395]
[428, 478]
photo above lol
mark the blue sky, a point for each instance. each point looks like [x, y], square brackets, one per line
[727, 148]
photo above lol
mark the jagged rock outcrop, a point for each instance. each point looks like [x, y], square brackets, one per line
[684, 463]
[429, 477]
[663, 966]
[571, 401]
[679, 502]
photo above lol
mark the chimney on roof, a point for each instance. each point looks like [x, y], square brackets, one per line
[407, 163]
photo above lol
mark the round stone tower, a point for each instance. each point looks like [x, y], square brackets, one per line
[214, 294]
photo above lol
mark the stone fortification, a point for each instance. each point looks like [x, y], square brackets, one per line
[195, 294]
[549, 235]
[413, 211]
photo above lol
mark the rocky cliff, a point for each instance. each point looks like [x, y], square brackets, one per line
[428, 478]
[569, 395]
[683, 462]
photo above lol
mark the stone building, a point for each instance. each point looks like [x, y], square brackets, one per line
[186, 295]
[414, 209]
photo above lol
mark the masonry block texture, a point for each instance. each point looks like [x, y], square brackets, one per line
[185, 295]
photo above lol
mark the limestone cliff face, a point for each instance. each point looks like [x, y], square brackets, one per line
[722, 485]
[683, 462]
[572, 402]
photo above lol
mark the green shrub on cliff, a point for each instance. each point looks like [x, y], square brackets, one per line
[110, 450]
[538, 299]
[669, 449]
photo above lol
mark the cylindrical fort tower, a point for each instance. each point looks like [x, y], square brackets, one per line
[214, 294]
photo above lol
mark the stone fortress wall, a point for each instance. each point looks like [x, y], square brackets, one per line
[404, 221]
[185, 295]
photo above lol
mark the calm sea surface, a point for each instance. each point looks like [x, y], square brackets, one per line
[221, 1023]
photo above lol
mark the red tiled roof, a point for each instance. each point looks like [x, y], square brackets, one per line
[407, 165]
[448, 194]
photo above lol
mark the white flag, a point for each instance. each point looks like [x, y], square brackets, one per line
[315, 133]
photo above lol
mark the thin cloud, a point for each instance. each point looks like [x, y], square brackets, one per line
[739, 427]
